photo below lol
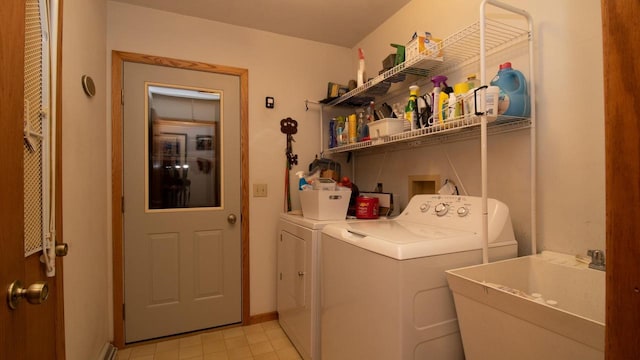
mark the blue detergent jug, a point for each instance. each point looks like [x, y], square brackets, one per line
[514, 96]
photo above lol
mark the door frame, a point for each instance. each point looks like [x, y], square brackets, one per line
[117, 60]
[621, 122]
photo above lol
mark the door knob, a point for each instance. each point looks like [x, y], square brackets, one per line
[231, 219]
[62, 249]
[37, 293]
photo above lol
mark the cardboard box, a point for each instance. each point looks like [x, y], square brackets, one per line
[423, 43]
[325, 204]
[386, 127]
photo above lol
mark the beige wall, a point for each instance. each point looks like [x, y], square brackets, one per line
[289, 69]
[84, 183]
[569, 80]
[571, 141]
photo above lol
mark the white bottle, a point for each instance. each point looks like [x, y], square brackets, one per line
[491, 98]
[362, 78]
[452, 106]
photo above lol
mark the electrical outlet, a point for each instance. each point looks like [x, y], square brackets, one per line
[259, 190]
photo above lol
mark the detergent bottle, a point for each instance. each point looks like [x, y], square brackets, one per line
[514, 96]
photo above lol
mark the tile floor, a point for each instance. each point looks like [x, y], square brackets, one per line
[264, 341]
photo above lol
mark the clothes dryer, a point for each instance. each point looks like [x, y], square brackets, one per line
[297, 281]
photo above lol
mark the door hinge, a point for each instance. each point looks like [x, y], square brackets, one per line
[122, 96]
[123, 313]
[122, 204]
[280, 276]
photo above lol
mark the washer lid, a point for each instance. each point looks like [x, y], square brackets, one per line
[404, 240]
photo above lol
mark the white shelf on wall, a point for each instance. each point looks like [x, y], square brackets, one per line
[451, 131]
[457, 50]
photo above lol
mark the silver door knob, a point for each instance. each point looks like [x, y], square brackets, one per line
[62, 249]
[36, 293]
[231, 219]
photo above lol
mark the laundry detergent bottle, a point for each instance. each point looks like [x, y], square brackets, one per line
[514, 96]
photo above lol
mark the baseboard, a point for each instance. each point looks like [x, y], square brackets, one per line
[260, 318]
[108, 352]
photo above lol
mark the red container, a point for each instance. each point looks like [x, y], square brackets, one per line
[367, 207]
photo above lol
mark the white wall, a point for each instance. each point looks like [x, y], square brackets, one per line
[84, 183]
[569, 80]
[289, 69]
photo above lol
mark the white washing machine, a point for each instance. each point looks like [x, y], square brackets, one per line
[297, 278]
[383, 289]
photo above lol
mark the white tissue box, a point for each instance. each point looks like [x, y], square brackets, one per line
[325, 204]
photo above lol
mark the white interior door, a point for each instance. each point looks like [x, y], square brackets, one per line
[181, 163]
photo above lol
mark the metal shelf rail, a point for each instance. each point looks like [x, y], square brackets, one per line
[458, 50]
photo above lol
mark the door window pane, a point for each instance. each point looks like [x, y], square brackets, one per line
[183, 157]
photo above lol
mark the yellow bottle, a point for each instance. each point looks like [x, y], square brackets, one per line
[353, 129]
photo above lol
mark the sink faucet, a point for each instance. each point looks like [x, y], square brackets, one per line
[597, 259]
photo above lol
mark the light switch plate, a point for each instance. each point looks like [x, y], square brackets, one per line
[259, 190]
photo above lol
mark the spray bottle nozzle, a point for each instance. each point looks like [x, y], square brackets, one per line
[439, 80]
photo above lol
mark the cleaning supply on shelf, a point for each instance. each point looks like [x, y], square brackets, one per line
[443, 104]
[424, 110]
[411, 110]
[362, 78]
[332, 133]
[437, 81]
[353, 129]
[514, 96]
[302, 182]
[371, 113]
[452, 106]
[459, 92]
[473, 81]
[340, 134]
[399, 59]
[363, 128]
[345, 133]
[492, 102]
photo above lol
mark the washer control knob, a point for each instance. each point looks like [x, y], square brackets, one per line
[441, 209]
[424, 207]
[463, 211]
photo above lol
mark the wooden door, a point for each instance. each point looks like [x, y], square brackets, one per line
[29, 331]
[622, 155]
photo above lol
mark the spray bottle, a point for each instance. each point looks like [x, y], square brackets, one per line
[302, 183]
[437, 81]
[361, 73]
[411, 110]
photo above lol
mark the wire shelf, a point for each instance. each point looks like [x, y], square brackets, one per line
[458, 50]
[464, 128]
